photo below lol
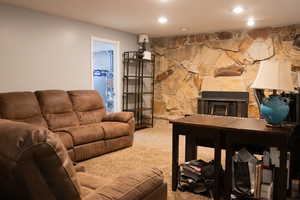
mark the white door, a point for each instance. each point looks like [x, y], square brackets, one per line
[104, 68]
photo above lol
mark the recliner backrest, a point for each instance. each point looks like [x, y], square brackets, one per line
[57, 109]
[21, 106]
[88, 105]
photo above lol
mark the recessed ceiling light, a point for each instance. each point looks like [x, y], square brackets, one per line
[184, 29]
[251, 22]
[238, 10]
[162, 20]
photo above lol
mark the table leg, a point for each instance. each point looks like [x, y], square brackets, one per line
[217, 169]
[283, 174]
[175, 155]
[228, 173]
[190, 148]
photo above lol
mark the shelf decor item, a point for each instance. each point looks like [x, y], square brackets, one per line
[143, 40]
[274, 74]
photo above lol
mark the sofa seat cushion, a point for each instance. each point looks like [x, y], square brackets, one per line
[89, 183]
[61, 120]
[134, 186]
[66, 139]
[115, 129]
[86, 133]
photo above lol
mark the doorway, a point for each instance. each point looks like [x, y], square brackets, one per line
[105, 78]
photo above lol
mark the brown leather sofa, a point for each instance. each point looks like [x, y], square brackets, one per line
[77, 117]
[35, 166]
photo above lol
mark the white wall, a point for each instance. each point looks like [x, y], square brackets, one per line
[39, 51]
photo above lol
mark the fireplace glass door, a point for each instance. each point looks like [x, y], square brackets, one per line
[219, 109]
[222, 108]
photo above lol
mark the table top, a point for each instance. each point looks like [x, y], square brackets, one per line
[230, 123]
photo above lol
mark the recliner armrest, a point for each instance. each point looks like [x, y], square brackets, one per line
[118, 117]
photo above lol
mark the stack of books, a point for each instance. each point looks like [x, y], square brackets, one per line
[263, 187]
[265, 173]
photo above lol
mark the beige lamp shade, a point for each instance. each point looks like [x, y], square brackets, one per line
[143, 38]
[274, 74]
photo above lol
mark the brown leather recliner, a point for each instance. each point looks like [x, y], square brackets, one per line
[35, 165]
[77, 117]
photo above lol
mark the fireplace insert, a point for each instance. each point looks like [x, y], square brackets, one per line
[223, 103]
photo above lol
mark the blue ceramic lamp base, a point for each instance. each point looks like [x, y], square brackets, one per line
[275, 109]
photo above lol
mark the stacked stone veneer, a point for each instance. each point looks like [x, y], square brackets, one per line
[183, 61]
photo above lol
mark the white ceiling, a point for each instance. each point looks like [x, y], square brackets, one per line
[140, 16]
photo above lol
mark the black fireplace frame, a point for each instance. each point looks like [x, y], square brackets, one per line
[236, 103]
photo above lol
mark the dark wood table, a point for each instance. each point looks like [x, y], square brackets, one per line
[225, 132]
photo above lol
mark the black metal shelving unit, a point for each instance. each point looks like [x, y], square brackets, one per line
[138, 88]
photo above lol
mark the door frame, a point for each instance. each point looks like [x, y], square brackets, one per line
[117, 71]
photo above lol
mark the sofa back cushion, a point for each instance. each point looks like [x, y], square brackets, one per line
[57, 109]
[21, 106]
[88, 105]
[35, 164]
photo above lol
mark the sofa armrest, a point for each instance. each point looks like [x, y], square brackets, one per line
[119, 117]
[15, 136]
[124, 117]
[136, 185]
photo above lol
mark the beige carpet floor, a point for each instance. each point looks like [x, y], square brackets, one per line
[152, 148]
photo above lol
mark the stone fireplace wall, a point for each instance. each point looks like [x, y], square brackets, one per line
[182, 63]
